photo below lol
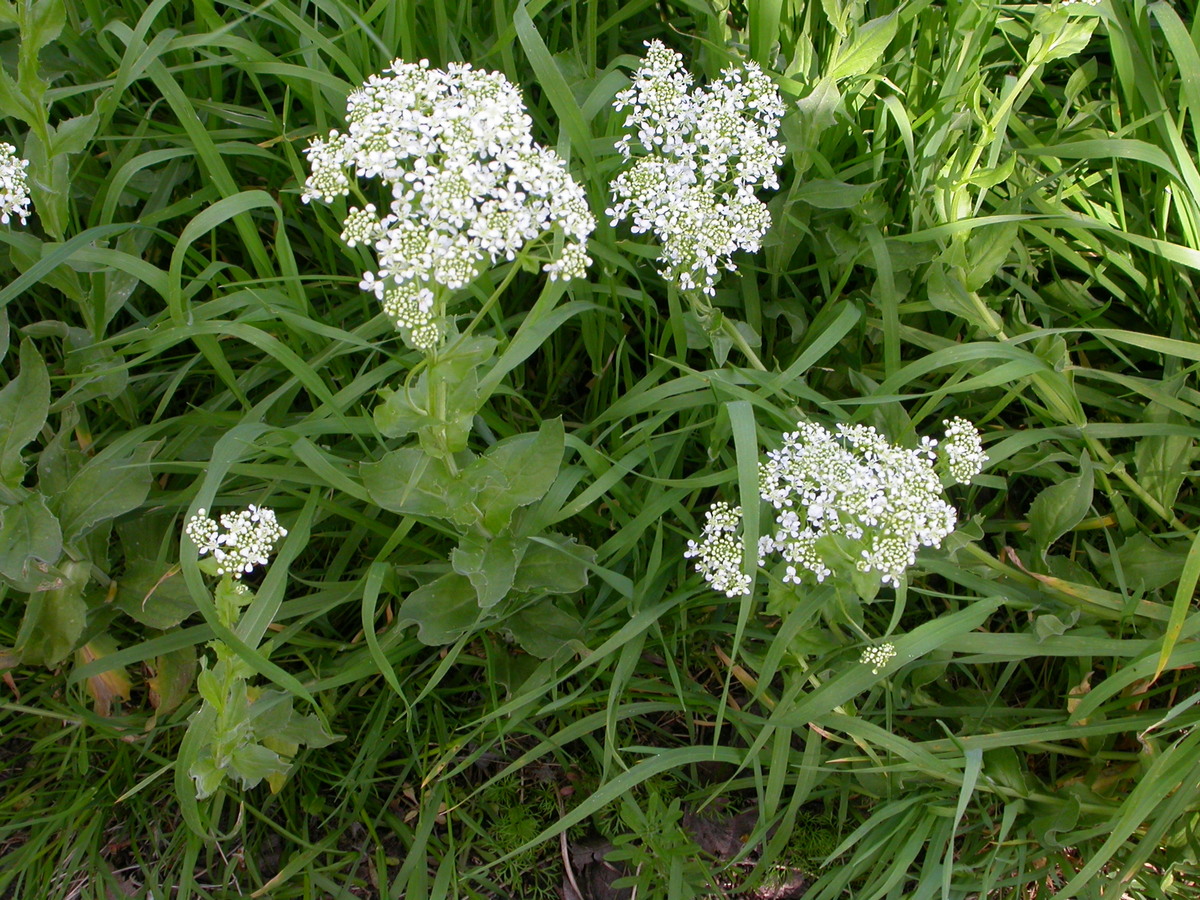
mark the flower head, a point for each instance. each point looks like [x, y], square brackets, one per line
[248, 539]
[878, 656]
[718, 554]
[703, 154]
[844, 501]
[14, 185]
[463, 185]
[962, 450]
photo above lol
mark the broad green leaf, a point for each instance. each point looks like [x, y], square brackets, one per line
[45, 22]
[54, 619]
[543, 630]
[826, 193]
[254, 762]
[554, 564]
[1145, 566]
[515, 472]
[171, 681]
[947, 293]
[107, 487]
[74, 135]
[30, 543]
[153, 593]
[1060, 507]
[1163, 461]
[410, 481]
[24, 405]
[442, 610]
[59, 462]
[490, 566]
[865, 48]
[1058, 36]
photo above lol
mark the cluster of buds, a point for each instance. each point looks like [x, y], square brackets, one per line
[703, 154]
[248, 538]
[14, 185]
[844, 501]
[462, 184]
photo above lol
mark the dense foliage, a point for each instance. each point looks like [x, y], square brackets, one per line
[444, 634]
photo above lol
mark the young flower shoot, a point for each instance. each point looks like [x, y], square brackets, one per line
[462, 184]
[845, 501]
[700, 156]
[14, 185]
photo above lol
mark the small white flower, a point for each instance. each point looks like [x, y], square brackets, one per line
[14, 185]
[703, 153]
[248, 539]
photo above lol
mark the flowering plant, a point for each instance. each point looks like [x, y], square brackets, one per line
[846, 502]
[241, 730]
[703, 154]
[463, 183]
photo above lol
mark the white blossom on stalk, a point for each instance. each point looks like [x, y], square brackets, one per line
[962, 450]
[700, 156]
[844, 501]
[14, 185]
[248, 539]
[462, 185]
[878, 656]
[719, 553]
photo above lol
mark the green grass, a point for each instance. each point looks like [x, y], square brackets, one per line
[970, 223]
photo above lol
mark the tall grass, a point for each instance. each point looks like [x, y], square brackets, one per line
[987, 211]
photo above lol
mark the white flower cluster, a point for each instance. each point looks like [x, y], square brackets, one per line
[878, 656]
[14, 185]
[841, 500]
[465, 184]
[962, 450]
[248, 540]
[706, 152]
[1088, 2]
[719, 552]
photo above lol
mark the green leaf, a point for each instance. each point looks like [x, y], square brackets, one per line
[1060, 507]
[826, 193]
[490, 566]
[1163, 461]
[30, 543]
[254, 762]
[543, 630]
[153, 593]
[865, 49]
[515, 472]
[410, 481]
[1058, 36]
[59, 462]
[171, 681]
[45, 23]
[54, 618]
[24, 405]
[107, 487]
[442, 610]
[947, 293]
[554, 564]
[74, 135]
